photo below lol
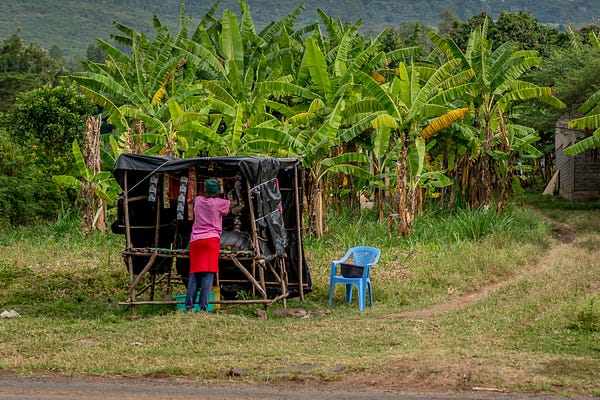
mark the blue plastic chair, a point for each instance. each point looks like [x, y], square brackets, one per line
[356, 273]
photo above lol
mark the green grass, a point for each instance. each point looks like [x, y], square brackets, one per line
[538, 331]
[584, 217]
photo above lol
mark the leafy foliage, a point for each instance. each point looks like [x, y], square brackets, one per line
[590, 108]
[587, 315]
[24, 67]
[47, 121]
[15, 56]
[518, 27]
[495, 143]
[340, 101]
[26, 195]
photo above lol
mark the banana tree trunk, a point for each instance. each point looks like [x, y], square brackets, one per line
[379, 202]
[94, 208]
[344, 196]
[315, 204]
[404, 215]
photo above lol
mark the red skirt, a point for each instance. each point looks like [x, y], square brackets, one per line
[204, 255]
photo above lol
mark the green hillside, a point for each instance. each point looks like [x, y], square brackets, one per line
[73, 24]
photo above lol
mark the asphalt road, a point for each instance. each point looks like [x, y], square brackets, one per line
[20, 388]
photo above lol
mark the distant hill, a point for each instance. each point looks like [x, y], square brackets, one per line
[73, 24]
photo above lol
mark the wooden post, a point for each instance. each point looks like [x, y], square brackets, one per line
[173, 262]
[298, 233]
[258, 255]
[126, 210]
[128, 243]
[156, 239]
[262, 290]
[283, 279]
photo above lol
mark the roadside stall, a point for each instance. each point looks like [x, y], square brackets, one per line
[262, 258]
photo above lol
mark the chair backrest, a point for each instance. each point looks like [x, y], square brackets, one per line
[364, 255]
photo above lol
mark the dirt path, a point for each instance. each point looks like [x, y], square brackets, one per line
[564, 234]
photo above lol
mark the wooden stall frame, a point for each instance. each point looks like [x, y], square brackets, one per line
[259, 263]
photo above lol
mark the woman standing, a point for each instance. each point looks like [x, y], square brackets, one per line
[205, 243]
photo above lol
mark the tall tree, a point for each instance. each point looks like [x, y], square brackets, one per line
[25, 67]
[194, 93]
[327, 69]
[94, 53]
[446, 21]
[135, 88]
[519, 27]
[238, 97]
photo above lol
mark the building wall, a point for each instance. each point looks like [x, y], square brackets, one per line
[579, 176]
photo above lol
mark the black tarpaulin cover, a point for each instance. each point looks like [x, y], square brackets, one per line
[263, 172]
[274, 209]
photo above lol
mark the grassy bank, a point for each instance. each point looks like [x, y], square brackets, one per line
[537, 330]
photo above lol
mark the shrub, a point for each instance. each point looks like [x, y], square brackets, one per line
[587, 316]
[26, 193]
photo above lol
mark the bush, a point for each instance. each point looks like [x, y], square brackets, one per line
[27, 194]
[587, 316]
[47, 121]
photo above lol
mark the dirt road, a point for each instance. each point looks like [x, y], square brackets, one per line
[20, 388]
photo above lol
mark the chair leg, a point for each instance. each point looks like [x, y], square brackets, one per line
[361, 297]
[361, 292]
[330, 294]
[348, 293]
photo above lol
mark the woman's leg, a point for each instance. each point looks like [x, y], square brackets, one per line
[206, 282]
[192, 292]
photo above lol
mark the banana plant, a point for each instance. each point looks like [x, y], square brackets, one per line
[134, 88]
[315, 121]
[419, 176]
[495, 89]
[412, 106]
[96, 190]
[590, 121]
[239, 97]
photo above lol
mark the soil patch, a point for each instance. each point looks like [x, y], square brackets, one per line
[564, 233]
